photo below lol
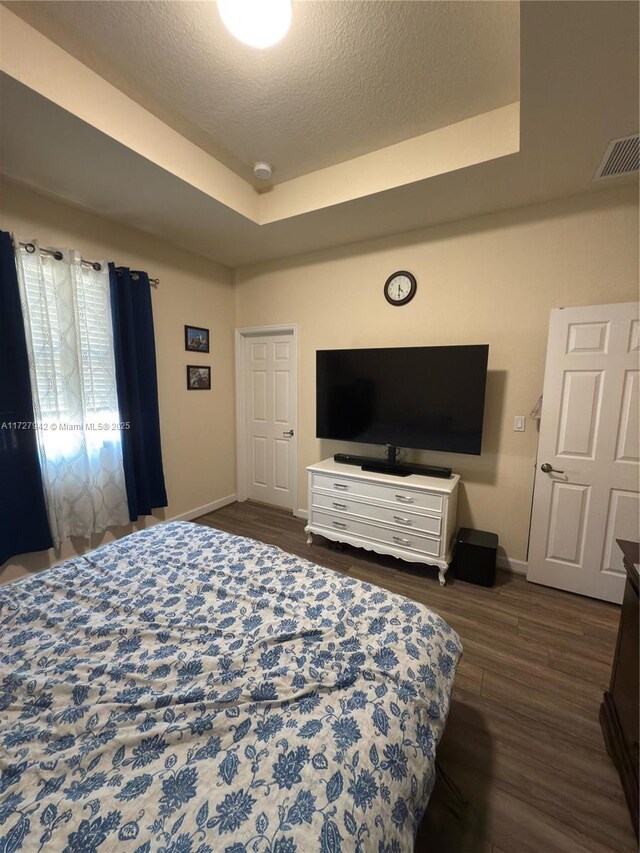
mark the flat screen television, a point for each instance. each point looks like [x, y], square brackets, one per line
[431, 398]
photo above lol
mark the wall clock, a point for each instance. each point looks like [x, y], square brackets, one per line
[400, 288]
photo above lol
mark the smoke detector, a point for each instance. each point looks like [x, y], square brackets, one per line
[262, 171]
[620, 158]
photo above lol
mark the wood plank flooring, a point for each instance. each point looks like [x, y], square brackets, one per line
[524, 764]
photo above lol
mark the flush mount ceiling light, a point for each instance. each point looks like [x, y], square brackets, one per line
[258, 23]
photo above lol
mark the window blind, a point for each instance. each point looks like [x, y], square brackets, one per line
[69, 337]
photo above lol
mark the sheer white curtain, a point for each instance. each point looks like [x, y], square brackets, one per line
[67, 317]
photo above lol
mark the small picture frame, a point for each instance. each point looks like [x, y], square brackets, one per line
[198, 377]
[196, 339]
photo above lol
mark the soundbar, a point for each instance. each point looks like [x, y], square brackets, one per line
[398, 469]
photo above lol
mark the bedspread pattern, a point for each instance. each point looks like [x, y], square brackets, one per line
[188, 691]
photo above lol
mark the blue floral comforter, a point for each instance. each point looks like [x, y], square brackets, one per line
[188, 691]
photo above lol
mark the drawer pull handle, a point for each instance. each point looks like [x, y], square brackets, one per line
[339, 524]
[340, 506]
[340, 486]
[404, 499]
[400, 541]
[401, 520]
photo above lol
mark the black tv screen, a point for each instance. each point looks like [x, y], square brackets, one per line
[430, 398]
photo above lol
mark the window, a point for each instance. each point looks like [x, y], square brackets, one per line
[67, 315]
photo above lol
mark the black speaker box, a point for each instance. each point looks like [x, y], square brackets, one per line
[474, 558]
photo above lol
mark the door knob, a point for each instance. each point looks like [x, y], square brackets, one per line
[289, 433]
[549, 469]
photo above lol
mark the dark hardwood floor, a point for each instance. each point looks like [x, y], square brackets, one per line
[524, 767]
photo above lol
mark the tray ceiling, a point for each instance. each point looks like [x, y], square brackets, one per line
[349, 77]
[66, 131]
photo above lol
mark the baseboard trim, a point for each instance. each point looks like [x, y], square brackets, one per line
[301, 513]
[518, 567]
[203, 510]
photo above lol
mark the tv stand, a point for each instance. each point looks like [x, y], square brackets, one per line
[390, 466]
[414, 520]
[392, 453]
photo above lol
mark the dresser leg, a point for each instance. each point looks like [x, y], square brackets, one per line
[441, 576]
[309, 539]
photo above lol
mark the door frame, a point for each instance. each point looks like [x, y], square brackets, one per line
[241, 334]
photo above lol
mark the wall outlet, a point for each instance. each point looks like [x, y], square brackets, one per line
[519, 423]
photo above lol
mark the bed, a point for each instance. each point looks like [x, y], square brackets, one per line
[189, 691]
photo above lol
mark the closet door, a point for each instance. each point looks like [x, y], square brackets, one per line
[269, 419]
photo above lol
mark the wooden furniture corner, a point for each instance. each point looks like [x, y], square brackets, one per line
[619, 709]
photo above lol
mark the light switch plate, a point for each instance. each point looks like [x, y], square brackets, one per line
[519, 423]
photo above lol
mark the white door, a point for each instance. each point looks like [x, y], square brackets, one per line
[269, 363]
[586, 486]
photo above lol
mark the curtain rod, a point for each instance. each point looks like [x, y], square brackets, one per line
[57, 254]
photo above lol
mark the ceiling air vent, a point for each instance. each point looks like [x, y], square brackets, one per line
[620, 158]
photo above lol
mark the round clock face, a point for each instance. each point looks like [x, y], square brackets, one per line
[400, 288]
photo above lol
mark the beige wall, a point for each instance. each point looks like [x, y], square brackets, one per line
[198, 430]
[490, 280]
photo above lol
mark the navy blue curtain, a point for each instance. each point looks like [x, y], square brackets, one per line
[23, 515]
[136, 375]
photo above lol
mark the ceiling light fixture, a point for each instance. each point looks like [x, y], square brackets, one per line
[258, 23]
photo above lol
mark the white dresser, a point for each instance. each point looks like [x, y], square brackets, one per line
[412, 517]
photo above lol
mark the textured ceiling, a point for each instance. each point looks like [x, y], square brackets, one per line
[349, 78]
[579, 90]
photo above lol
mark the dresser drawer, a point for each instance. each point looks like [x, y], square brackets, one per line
[404, 540]
[390, 494]
[397, 516]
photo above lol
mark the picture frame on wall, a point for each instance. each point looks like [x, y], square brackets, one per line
[198, 377]
[196, 339]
